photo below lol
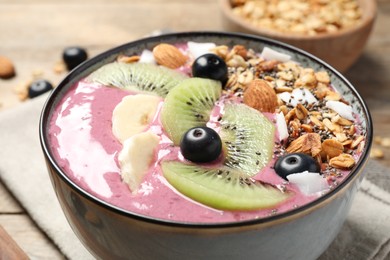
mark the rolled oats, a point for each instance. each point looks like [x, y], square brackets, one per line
[343, 161]
[299, 16]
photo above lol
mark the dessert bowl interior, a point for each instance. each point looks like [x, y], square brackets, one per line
[110, 232]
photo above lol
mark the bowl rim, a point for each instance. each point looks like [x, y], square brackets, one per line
[266, 221]
[226, 10]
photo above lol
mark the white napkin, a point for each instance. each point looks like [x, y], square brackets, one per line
[365, 235]
[23, 171]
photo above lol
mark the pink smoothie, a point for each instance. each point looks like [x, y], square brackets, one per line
[85, 148]
[87, 151]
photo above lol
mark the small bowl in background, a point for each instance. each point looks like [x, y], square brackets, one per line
[340, 49]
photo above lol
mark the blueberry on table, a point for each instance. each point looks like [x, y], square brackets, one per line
[201, 144]
[295, 163]
[73, 56]
[210, 66]
[39, 87]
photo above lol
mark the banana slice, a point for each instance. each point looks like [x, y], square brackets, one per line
[133, 114]
[135, 158]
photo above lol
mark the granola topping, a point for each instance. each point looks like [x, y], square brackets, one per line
[319, 121]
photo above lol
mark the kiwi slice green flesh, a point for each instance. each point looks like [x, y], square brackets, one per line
[189, 105]
[222, 188]
[139, 77]
[248, 138]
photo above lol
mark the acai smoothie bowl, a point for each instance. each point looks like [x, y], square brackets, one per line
[205, 145]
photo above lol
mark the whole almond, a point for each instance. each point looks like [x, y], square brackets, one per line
[7, 69]
[169, 56]
[260, 96]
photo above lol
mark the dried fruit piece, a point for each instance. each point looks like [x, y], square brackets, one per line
[261, 96]
[169, 56]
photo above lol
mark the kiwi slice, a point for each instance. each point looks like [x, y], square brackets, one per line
[221, 188]
[248, 138]
[144, 77]
[188, 105]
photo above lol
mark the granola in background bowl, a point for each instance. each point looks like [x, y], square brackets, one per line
[335, 31]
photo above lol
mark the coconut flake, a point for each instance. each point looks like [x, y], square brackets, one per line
[147, 57]
[281, 126]
[198, 49]
[270, 54]
[340, 108]
[309, 183]
[298, 95]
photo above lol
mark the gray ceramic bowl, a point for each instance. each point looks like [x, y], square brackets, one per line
[111, 233]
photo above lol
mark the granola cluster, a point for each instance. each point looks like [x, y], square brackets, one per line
[301, 95]
[308, 17]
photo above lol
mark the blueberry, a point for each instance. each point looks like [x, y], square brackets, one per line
[210, 66]
[295, 163]
[73, 56]
[201, 144]
[39, 87]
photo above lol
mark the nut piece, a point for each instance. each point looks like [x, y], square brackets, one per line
[261, 96]
[7, 69]
[343, 161]
[332, 148]
[309, 143]
[128, 59]
[169, 56]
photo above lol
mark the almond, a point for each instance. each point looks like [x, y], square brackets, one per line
[7, 69]
[309, 143]
[169, 56]
[261, 96]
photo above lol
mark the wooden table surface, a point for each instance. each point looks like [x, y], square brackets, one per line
[33, 34]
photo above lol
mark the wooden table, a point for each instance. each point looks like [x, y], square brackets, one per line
[33, 34]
